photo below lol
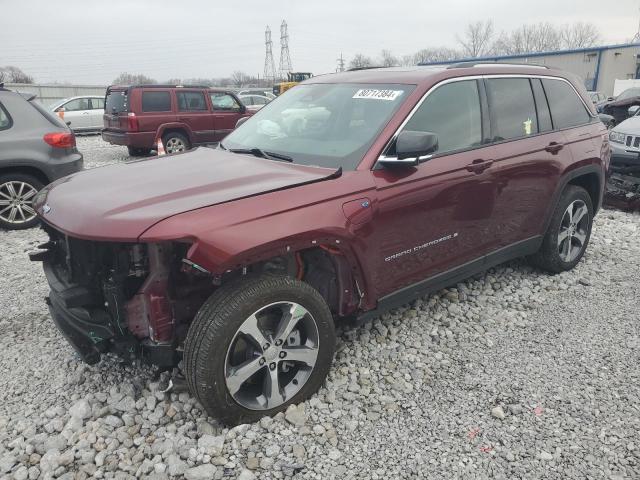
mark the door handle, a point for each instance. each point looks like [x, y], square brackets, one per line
[479, 165]
[554, 147]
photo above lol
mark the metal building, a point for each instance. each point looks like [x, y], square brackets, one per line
[599, 67]
[48, 94]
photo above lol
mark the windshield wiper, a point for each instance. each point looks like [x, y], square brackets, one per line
[257, 152]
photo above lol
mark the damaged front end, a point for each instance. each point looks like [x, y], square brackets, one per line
[132, 299]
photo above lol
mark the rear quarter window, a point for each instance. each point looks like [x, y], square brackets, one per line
[567, 109]
[53, 119]
[5, 119]
[156, 102]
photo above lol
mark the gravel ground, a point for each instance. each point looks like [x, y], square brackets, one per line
[512, 374]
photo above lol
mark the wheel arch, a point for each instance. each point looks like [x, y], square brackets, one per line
[175, 128]
[26, 170]
[591, 177]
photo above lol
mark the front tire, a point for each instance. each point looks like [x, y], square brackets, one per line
[257, 345]
[569, 231]
[17, 192]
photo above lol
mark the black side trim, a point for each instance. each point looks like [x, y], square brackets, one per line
[578, 172]
[451, 277]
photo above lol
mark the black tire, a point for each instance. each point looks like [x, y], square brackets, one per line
[31, 184]
[549, 257]
[174, 138]
[138, 152]
[216, 325]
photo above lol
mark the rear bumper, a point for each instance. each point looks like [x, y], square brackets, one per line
[129, 139]
[61, 167]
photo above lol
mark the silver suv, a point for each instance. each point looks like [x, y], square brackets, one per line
[36, 148]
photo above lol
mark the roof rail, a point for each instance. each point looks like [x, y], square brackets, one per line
[355, 69]
[498, 64]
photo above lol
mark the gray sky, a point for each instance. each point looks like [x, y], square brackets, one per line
[92, 41]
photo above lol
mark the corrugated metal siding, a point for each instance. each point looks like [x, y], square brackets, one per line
[49, 94]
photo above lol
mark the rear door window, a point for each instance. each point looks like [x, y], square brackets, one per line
[452, 112]
[5, 119]
[191, 101]
[97, 104]
[567, 110]
[542, 106]
[156, 101]
[116, 102]
[513, 111]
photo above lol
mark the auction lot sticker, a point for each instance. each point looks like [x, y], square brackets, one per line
[377, 94]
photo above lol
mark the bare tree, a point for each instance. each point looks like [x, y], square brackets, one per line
[239, 78]
[388, 59]
[11, 74]
[579, 35]
[133, 79]
[539, 37]
[476, 40]
[360, 61]
[441, 54]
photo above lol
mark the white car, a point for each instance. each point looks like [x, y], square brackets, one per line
[254, 102]
[81, 113]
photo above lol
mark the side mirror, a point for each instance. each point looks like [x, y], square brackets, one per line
[241, 121]
[633, 110]
[243, 108]
[411, 148]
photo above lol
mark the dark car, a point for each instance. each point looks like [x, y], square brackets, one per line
[36, 147]
[618, 107]
[598, 99]
[351, 194]
[181, 116]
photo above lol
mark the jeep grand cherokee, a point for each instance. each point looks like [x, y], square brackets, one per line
[351, 194]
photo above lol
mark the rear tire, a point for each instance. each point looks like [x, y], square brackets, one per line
[257, 345]
[569, 231]
[17, 191]
[175, 142]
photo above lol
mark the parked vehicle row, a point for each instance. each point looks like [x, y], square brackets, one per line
[350, 195]
[182, 117]
[36, 148]
[625, 142]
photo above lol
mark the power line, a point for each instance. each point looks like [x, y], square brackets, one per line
[285, 57]
[269, 65]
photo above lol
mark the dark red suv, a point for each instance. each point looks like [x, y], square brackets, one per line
[349, 195]
[183, 117]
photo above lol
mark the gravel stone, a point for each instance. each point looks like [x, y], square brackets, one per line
[498, 412]
[410, 395]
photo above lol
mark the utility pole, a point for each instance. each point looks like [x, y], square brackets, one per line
[269, 64]
[285, 57]
[340, 64]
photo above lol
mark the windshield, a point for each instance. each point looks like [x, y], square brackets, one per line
[327, 125]
[629, 93]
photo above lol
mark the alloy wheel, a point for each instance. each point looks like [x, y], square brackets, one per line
[573, 231]
[271, 356]
[175, 145]
[16, 202]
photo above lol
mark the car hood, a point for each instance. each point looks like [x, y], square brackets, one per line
[119, 202]
[631, 126]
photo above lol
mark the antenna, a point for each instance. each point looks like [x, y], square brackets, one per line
[340, 64]
[285, 57]
[269, 64]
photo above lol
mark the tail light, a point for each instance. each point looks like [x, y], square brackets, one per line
[60, 139]
[132, 122]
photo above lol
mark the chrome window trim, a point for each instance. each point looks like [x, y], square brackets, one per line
[382, 156]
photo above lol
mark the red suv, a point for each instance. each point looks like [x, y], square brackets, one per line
[351, 194]
[137, 116]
